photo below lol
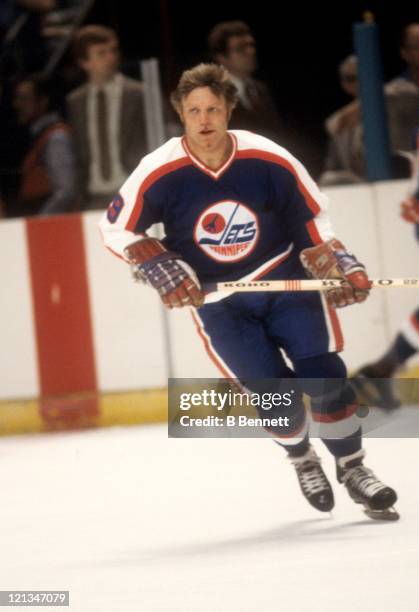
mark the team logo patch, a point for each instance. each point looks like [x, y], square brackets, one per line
[114, 208]
[227, 231]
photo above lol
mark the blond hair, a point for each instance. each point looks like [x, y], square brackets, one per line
[216, 77]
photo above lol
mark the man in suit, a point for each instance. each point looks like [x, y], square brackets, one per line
[231, 44]
[107, 118]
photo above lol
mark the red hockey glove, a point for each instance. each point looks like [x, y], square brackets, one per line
[331, 260]
[410, 209]
[175, 281]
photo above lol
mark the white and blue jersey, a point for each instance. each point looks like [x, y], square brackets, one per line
[244, 219]
[248, 220]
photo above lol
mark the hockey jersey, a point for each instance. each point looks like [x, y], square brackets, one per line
[241, 222]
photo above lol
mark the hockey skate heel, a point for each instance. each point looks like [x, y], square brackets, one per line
[313, 481]
[365, 488]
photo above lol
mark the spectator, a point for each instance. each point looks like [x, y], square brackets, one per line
[22, 51]
[231, 44]
[402, 93]
[345, 162]
[58, 24]
[22, 48]
[345, 159]
[107, 117]
[375, 380]
[48, 170]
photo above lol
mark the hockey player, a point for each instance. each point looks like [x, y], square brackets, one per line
[237, 206]
[375, 380]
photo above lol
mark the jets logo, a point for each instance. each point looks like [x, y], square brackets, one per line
[227, 231]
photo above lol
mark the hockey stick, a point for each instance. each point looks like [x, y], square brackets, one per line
[306, 285]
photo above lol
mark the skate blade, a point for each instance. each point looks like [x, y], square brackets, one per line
[389, 514]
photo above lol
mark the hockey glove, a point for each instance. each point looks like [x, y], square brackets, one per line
[410, 209]
[175, 281]
[331, 260]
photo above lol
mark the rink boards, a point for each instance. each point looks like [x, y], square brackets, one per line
[72, 321]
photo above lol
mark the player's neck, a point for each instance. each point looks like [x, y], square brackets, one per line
[214, 158]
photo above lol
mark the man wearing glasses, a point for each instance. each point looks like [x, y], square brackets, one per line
[232, 44]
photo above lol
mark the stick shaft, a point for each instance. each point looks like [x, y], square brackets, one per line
[306, 285]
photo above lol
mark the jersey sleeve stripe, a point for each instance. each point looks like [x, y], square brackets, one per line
[147, 183]
[336, 342]
[313, 232]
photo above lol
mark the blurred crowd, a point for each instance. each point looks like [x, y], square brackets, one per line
[72, 134]
[345, 161]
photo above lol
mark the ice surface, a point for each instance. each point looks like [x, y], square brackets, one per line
[127, 519]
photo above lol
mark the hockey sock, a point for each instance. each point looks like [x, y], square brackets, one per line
[341, 447]
[333, 403]
[296, 450]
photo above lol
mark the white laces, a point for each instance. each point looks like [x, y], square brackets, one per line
[363, 479]
[310, 474]
[312, 478]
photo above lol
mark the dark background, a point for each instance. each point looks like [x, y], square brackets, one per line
[299, 49]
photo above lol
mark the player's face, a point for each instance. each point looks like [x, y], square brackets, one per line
[205, 118]
[102, 60]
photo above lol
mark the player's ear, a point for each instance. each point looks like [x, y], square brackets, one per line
[177, 106]
[180, 113]
[179, 110]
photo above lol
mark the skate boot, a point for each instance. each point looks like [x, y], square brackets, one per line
[379, 392]
[365, 488]
[313, 481]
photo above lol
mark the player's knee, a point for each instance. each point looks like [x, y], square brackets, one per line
[322, 375]
[328, 365]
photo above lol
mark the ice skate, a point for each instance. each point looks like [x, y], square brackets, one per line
[379, 392]
[365, 488]
[313, 481]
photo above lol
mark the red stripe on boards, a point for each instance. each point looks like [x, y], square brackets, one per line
[64, 337]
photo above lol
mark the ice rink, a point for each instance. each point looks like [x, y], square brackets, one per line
[127, 519]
